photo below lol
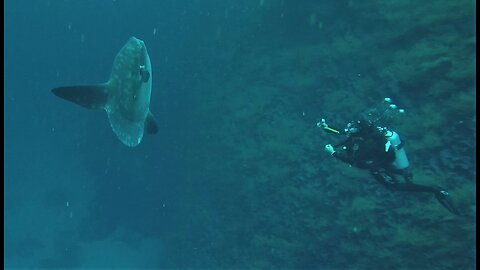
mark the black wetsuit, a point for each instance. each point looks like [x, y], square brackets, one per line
[366, 150]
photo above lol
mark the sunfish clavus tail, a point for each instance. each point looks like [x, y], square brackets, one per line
[125, 96]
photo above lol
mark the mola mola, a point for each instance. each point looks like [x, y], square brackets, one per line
[125, 96]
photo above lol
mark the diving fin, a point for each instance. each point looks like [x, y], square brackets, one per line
[88, 96]
[444, 198]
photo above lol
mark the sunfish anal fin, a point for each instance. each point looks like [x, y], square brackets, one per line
[151, 124]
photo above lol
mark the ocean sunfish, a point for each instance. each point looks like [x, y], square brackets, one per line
[125, 96]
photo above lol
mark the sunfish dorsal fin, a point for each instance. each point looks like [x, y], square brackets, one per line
[88, 96]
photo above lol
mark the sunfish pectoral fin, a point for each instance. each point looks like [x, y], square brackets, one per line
[151, 124]
[88, 96]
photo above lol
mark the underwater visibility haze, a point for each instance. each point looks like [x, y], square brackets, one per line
[234, 175]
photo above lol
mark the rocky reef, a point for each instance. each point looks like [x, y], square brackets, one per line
[279, 201]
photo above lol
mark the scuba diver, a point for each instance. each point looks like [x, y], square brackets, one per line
[381, 152]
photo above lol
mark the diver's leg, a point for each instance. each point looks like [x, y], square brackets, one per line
[409, 186]
[442, 196]
[384, 178]
[389, 181]
[405, 173]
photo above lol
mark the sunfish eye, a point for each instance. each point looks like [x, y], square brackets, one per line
[144, 74]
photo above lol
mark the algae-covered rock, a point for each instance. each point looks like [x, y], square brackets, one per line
[282, 201]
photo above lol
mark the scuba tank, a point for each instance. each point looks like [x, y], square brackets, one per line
[384, 112]
[401, 160]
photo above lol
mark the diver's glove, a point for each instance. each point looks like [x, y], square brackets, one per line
[329, 149]
[322, 123]
[444, 198]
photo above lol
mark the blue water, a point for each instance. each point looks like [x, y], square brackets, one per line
[236, 177]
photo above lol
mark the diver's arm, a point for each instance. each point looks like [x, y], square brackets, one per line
[341, 156]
